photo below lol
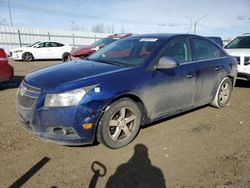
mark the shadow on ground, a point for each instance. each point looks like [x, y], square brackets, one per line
[13, 83]
[242, 83]
[137, 172]
[31, 172]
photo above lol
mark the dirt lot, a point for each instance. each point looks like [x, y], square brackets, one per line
[206, 147]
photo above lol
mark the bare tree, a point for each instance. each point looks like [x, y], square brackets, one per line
[3, 22]
[75, 27]
[123, 30]
[110, 29]
[98, 28]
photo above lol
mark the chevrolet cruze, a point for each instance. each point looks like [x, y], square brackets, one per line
[123, 86]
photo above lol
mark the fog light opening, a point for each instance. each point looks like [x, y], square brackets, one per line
[60, 131]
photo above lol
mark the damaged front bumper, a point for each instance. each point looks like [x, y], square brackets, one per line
[64, 125]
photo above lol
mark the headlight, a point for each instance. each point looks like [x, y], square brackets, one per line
[18, 51]
[68, 98]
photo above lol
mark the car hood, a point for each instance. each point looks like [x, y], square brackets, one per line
[82, 51]
[239, 52]
[25, 48]
[70, 75]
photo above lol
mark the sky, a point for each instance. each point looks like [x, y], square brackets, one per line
[224, 18]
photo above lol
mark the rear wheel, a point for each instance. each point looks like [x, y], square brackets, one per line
[27, 57]
[66, 56]
[223, 93]
[119, 124]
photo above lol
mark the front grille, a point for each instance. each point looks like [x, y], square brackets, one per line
[27, 95]
[25, 101]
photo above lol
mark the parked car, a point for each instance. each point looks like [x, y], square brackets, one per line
[41, 50]
[6, 70]
[217, 40]
[123, 86]
[240, 49]
[85, 51]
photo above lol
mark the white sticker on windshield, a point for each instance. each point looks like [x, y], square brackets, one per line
[149, 39]
[97, 90]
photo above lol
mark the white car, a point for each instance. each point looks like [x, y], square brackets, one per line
[41, 50]
[240, 49]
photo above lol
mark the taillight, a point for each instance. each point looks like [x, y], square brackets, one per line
[3, 57]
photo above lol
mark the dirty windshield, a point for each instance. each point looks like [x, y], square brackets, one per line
[127, 52]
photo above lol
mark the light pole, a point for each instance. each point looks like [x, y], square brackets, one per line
[196, 22]
[11, 23]
[191, 23]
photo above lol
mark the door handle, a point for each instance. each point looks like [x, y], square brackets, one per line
[191, 75]
[217, 68]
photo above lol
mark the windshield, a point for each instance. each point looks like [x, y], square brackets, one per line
[239, 42]
[103, 42]
[127, 52]
[33, 44]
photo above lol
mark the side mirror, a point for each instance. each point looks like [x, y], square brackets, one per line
[166, 62]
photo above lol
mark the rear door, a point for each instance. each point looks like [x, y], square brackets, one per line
[210, 60]
[56, 50]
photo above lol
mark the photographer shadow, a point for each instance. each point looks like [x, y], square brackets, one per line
[137, 172]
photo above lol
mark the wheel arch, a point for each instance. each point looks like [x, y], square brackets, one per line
[134, 98]
[29, 53]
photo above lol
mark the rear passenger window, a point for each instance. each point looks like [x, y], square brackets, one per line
[206, 50]
[55, 44]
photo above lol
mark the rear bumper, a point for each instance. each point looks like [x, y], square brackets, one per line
[6, 72]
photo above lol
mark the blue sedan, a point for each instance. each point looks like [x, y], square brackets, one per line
[123, 86]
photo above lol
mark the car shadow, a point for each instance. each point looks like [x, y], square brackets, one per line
[242, 83]
[13, 83]
[172, 116]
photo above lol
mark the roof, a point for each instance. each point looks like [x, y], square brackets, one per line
[161, 35]
[246, 34]
[51, 41]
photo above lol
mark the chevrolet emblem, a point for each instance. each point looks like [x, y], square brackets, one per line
[23, 90]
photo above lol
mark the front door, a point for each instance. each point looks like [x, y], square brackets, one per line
[174, 89]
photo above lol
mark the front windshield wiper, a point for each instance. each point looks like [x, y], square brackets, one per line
[107, 61]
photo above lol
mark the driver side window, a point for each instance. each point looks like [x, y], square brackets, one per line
[178, 49]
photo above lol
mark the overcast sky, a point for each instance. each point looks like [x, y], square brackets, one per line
[225, 18]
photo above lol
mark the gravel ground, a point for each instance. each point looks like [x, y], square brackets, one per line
[206, 147]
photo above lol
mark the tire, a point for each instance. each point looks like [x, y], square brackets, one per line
[119, 124]
[223, 93]
[66, 57]
[27, 56]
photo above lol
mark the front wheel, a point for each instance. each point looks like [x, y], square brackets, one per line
[223, 93]
[27, 56]
[119, 124]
